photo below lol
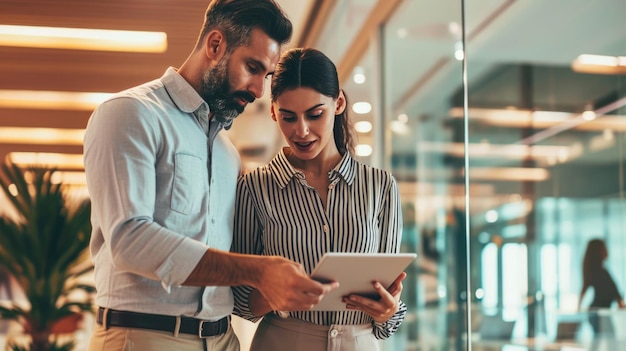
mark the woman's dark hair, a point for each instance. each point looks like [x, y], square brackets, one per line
[310, 68]
[595, 254]
[237, 18]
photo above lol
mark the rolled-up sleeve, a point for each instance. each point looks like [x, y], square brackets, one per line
[122, 142]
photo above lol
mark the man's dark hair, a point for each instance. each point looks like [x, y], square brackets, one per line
[237, 18]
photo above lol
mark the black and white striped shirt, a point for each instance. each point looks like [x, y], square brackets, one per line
[278, 213]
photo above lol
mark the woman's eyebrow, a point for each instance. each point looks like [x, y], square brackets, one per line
[308, 110]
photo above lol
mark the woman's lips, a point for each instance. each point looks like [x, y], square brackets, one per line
[304, 146]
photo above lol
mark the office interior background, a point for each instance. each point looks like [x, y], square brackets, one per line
[508, 145]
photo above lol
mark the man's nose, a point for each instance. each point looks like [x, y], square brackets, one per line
[257, 87]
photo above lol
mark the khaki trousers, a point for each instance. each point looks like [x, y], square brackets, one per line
[127, 339]
[289, 334]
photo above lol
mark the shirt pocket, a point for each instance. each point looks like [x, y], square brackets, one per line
[188, 187]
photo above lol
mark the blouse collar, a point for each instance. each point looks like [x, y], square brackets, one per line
[283, 171]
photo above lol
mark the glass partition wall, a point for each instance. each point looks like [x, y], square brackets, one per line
[509, 149]
[545, 130]
[422, 66]
[506, 177]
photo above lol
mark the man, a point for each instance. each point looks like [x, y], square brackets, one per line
[162, 184]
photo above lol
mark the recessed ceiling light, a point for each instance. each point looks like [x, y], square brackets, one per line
[363, 150]
[589, 115]
[361, 107]
[399, 128]
[358, 76]
[363, 126]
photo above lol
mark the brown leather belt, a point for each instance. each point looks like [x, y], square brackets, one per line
[159, 322]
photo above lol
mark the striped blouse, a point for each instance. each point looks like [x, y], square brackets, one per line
[278, 213]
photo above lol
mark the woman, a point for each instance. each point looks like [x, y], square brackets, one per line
[313, 198]
[595, 275]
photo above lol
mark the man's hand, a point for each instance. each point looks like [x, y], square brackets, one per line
[281, 284]
[287, 287]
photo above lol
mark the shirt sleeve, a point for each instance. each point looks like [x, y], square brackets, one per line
[390, 219]
[120, 150]
[246, 240]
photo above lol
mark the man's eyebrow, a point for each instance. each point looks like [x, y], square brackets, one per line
[308, 110]
[260, 64]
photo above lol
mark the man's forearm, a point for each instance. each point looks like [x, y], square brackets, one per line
[221, 268]
[283, 284]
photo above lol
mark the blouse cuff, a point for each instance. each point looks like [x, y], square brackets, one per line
[386, 329]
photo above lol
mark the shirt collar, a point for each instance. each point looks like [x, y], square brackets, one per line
[283, 172]
[185, 97]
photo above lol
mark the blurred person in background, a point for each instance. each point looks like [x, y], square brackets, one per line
[605, 291]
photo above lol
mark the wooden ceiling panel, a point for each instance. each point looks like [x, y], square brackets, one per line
[89, 71]
[44, 118]
[97, 71]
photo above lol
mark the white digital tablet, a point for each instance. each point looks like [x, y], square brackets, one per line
[355, 273]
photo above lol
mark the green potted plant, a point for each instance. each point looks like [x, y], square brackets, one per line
[43, 244]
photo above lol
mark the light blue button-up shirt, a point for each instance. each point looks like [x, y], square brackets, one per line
[162, 183]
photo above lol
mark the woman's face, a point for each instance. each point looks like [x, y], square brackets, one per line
[306, 118]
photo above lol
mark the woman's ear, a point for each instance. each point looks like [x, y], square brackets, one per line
[340, 105]
[215, 45]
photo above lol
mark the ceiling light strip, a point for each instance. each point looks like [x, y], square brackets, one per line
[599, 64]
[41, 136]
[83, 39]
[51, 100]
[47, 159]
[549, 132]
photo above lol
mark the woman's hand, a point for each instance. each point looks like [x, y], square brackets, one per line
[382, 309]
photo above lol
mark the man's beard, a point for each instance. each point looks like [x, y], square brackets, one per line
[215, 87]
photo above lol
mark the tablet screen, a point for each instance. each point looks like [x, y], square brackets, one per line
[355, 273]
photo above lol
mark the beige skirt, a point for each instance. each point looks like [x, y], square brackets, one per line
[277, 334]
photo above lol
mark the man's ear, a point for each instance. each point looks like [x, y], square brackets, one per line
[273, 111]
[340, 104]
[215, 45]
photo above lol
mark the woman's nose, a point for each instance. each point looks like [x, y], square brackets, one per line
[302, 129]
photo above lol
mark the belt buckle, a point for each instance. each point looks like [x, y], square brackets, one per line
[201, 328]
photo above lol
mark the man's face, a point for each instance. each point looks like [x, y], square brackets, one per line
[239, 77]
[218, 93]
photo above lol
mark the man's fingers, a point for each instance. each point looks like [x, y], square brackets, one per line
[328, 287]
[320, 289]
